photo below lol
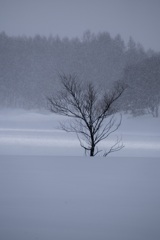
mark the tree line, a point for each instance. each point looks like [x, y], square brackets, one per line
[29, 67]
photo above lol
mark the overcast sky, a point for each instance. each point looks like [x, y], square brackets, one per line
[137, 18]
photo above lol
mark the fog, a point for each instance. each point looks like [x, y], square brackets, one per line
[71, 18]
[49, 188]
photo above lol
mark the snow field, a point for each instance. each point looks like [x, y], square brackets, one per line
[50, 190]
[79, 198]
[36, 133]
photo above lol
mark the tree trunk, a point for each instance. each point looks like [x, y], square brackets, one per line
[92, 152]
[92, 143]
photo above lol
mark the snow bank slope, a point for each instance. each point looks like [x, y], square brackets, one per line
[34, 133]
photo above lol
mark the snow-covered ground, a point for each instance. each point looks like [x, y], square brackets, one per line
[50, 190]
[58, 198]
[35, 133]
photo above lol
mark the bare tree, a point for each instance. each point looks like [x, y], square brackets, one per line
[89, 108]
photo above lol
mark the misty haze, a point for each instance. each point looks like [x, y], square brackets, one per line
[79, 120]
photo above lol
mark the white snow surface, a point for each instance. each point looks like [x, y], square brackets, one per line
[50, 190]
[79, 198]
[36, 133]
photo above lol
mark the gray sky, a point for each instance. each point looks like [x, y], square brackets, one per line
[137, 18]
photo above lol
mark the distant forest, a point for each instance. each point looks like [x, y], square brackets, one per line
[29, 68]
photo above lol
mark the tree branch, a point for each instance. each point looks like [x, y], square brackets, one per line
[88, 109]
[115, 147]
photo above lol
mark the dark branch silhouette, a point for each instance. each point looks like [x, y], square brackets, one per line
[89, 108]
